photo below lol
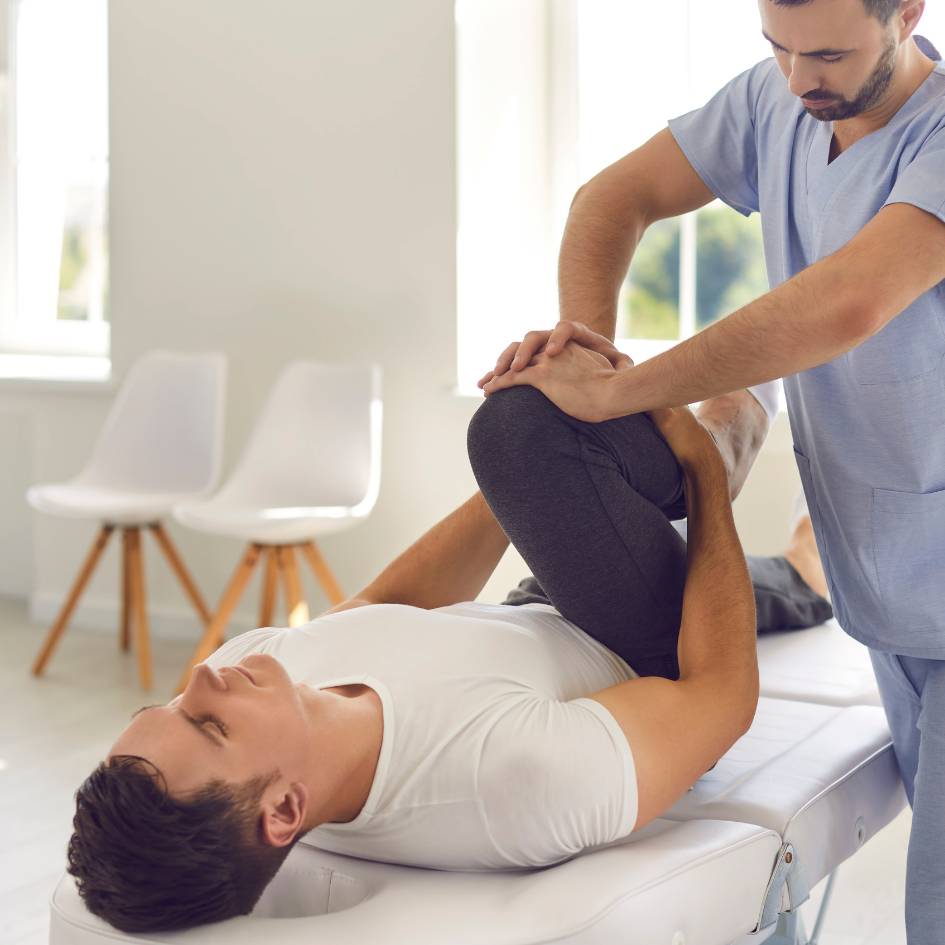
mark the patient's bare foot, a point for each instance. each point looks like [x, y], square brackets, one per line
[804, 558]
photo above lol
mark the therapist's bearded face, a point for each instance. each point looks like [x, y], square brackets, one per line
[869, 95]
[856, 55]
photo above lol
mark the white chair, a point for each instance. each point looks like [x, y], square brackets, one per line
[311, 467]
[161, 443]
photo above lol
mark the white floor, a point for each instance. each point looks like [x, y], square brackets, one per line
[53, 731]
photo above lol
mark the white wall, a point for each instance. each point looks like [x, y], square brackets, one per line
[283, 186]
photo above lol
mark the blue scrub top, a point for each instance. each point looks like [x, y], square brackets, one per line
[869, 426]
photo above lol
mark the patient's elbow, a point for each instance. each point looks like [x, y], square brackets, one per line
[747, 705]
[741, 691]
[746, 719]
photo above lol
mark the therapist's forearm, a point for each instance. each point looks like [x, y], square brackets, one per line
[596, 249]
[448, 564]
[808, 320]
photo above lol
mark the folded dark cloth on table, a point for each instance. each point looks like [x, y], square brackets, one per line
[783, 601]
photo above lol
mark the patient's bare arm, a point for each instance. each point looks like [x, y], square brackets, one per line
[449, 563]
[678, 729]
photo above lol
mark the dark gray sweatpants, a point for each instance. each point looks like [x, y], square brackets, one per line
[588, 506]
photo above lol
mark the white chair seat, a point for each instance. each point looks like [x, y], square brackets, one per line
[268, 526]
[116, 506]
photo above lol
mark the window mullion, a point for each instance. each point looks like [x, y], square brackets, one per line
[687, 275]
[687, 224]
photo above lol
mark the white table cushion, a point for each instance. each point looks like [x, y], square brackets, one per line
[823, 777]
[703, 879]
[819, 664]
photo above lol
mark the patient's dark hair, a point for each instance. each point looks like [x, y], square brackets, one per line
[883, 10]
[147, 862]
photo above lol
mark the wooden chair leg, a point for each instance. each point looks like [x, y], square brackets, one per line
[125, 593]
[183, 575]
[213, 635]
[55, 632]
[298, 608]
[270, 587]
[139, 608]
[323, 572]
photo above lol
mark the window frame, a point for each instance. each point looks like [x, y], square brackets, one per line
[558, 23]
[25, 336]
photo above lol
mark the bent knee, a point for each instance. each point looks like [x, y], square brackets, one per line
[507, 422]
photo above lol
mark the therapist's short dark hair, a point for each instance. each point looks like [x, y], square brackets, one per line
[883, 10]
[148, 862]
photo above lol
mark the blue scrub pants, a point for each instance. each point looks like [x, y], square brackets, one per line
[913, 692]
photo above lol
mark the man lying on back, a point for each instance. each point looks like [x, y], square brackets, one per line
[413, 725]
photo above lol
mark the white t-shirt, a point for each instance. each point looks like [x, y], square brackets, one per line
[491, 759]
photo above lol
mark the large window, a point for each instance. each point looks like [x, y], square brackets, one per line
[549, 96]
[631, 77]
[57, 112]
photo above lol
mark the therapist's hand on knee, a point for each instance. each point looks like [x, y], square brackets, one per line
[577, 381]
[518, 354]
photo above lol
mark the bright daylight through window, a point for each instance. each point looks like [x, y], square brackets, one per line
[57, 113]
[588, 81]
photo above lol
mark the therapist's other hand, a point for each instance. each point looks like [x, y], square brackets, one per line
[578, 380]
[520, 353]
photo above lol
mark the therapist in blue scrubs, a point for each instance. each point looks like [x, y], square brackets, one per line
[838, 141]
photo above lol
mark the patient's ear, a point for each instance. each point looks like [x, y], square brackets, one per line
[283, 812]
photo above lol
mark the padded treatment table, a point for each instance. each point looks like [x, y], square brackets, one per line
[631, 891]
[824, 778]
[806, 786]
[820, 664]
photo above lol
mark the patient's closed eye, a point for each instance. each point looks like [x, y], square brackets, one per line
[213, 720]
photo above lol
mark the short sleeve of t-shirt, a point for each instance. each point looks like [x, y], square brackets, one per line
[556, 778]
[719, 140]
[922, 181]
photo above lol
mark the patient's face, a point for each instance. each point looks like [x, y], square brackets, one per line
[234, 723]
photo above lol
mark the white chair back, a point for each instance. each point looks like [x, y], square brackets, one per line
[316, 443]
[164, 432]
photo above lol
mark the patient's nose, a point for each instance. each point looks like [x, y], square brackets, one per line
[203, 677]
